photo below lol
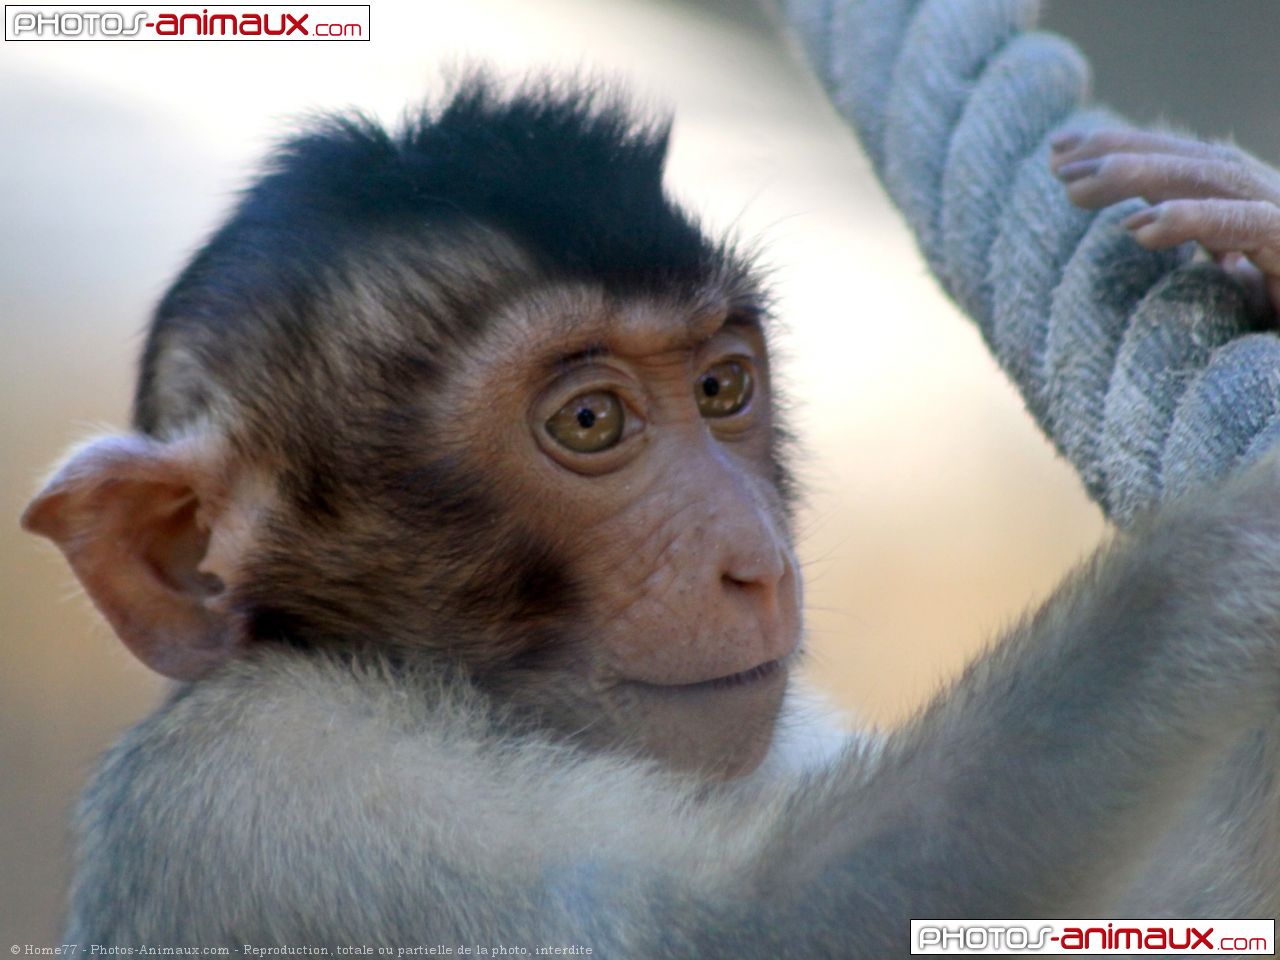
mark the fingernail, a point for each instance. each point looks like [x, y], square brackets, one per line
[1071, 172]
[1064, 141]
[1140, 219]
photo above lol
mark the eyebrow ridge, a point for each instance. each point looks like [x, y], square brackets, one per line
[741, 319]
[565, 361]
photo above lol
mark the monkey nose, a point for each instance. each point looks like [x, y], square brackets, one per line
[758, 591]
[759, 571]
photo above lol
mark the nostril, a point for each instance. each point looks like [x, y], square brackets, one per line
[760, 572]
[749, 596]
[743, 584]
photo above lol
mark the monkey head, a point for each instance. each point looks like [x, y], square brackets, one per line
[476, 397]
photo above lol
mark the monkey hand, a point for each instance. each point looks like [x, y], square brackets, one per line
[1214, 194]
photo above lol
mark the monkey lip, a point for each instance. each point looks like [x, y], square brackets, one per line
[729, 681]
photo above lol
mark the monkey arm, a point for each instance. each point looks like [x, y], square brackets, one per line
[280, 785]
[1068, 754]
[1106, 754]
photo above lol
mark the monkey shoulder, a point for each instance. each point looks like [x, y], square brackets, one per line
[287, 729]
[351, 777]
[280, 766]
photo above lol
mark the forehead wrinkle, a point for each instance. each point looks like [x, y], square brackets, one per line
[652, 328]
[559, 324]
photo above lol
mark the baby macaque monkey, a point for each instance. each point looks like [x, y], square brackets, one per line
[457, 503]
[1214, 194]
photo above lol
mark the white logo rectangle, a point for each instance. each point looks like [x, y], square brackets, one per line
[212, 23]
[1064, 938]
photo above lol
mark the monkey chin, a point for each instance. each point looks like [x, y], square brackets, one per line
[718, 729]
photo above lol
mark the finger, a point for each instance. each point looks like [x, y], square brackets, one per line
[1156, 177]
[1069, 146]
[1239, 175]
[1251, 227]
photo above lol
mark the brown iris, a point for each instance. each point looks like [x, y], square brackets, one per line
[589, 423]
[723, 389]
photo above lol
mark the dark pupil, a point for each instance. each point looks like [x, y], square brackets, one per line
[710, 386]
[586, 418]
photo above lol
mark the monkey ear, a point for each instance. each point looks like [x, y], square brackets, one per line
[134, 517]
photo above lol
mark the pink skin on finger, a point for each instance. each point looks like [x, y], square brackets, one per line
[1079, 170]
[1142, 218]
[1064, 141]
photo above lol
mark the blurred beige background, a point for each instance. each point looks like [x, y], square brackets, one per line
[936, 512]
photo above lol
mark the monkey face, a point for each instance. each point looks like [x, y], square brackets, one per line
[643, 431]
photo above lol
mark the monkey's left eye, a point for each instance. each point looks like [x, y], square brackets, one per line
[724, 389]
[590, 423]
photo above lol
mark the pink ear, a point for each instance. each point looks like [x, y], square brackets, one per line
[131, 515]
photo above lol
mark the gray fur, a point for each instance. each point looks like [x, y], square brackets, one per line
[954, 100]
[328, 800]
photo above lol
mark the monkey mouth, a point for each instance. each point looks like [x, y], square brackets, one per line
[729, 681]
[745, 678]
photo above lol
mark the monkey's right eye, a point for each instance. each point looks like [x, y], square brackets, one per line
[589, 423]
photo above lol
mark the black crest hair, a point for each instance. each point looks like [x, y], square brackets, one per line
[567, 171]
